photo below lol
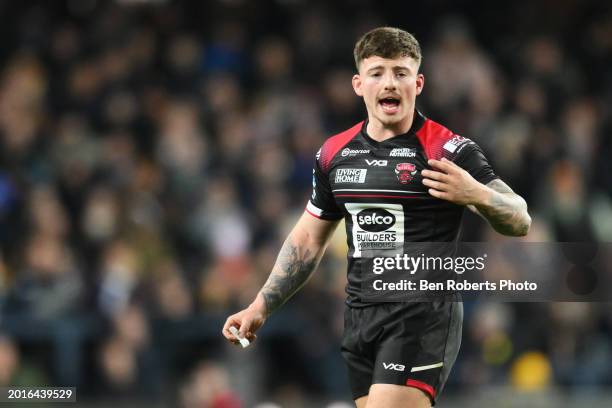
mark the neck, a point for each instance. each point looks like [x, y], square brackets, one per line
[380, 132]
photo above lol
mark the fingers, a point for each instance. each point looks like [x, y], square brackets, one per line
[440, 182]
[435, 175]
[436, 179]
[445, 165]
[225, 331]
[243, 323]
[235, 321]
[436, 184]
[245, 326]
[439, 194]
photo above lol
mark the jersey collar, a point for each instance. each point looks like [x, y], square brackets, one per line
[417, 123]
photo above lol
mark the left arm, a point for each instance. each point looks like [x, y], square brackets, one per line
[505, 210]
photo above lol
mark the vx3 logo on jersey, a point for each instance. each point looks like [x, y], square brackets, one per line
[394, 366]
[379, 163]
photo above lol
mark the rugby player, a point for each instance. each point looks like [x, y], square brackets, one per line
[397, 177]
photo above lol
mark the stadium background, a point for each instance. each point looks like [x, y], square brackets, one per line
[154, 154]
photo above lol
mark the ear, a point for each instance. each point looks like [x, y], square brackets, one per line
[357, 85]
[420, 83]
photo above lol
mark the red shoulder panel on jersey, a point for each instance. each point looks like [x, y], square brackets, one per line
[433, 136]
[335, 143]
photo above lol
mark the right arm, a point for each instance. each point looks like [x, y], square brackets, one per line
[296, 261]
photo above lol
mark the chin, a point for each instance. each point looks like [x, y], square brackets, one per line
[390, 120]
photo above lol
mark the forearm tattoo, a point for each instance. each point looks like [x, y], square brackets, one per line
[507, 211]
[293, 267]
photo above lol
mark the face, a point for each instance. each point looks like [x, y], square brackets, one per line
[389, 88]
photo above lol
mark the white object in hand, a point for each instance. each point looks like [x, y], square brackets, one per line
[243, 342]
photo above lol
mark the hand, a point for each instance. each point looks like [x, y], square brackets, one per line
[247, 321]
[452, 183]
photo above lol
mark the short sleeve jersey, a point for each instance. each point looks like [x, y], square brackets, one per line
[377, 188]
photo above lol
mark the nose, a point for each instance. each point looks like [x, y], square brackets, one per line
[390, 81]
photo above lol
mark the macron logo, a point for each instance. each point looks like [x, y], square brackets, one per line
[394, 366]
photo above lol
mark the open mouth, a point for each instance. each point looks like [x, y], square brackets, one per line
[389, 105]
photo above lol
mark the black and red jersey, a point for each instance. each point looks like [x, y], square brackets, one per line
[377, 188]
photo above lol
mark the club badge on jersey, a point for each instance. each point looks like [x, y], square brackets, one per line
[405, 172]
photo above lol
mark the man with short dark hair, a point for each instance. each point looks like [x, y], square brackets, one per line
[395, 178]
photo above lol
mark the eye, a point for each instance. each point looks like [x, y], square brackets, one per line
[376, 74]
[401, 75]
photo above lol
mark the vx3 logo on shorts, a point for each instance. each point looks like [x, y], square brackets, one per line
[394, 366]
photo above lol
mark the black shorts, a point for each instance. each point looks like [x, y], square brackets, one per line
[413, 344]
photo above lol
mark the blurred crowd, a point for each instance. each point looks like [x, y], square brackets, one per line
[153, 156]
